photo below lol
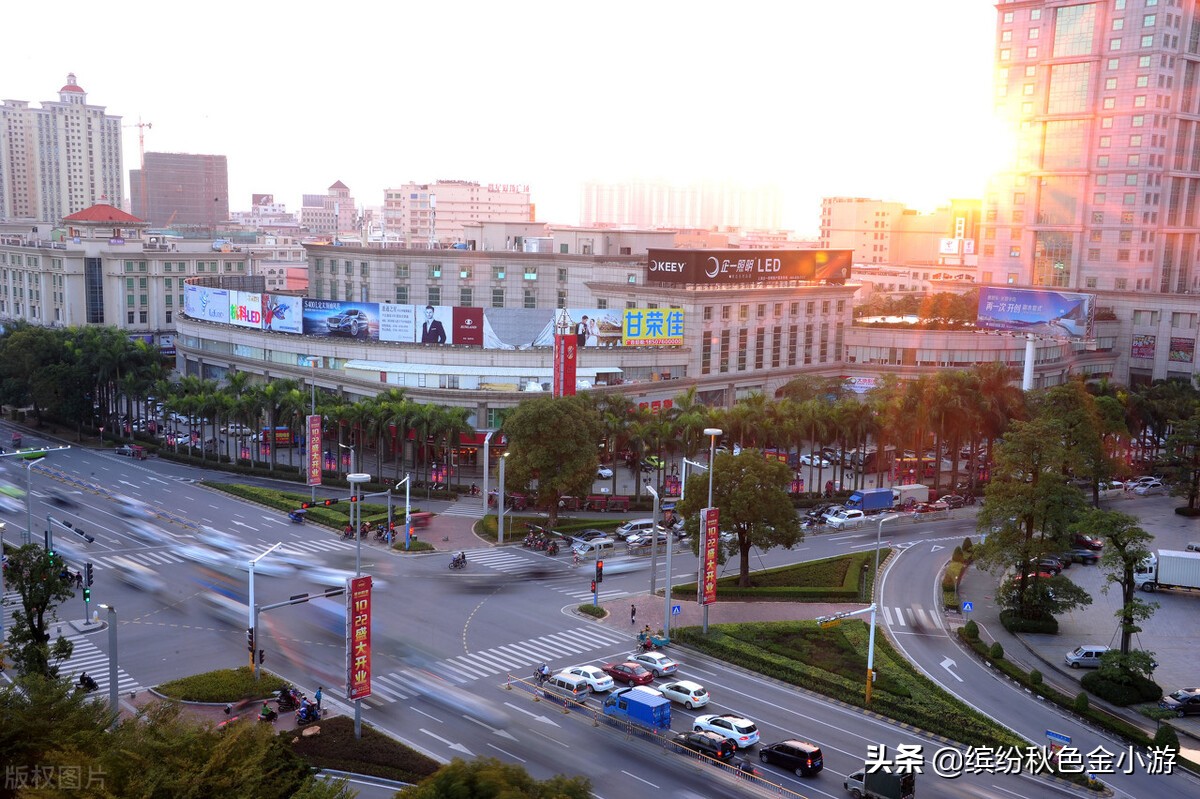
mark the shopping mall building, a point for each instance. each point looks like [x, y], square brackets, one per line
[473, 328]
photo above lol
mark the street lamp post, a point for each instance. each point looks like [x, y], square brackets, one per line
[500, 502]
[407, 520]
[654, 540]
[487, 453]
[252, 610]
[112, 663]
[2, 588]
[712, 433]
[29, 498]
[874, 582]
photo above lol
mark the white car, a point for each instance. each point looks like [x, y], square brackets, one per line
[845, 519]
[685, 692]
[812, 459]
[1137, 482]
[595, 677]
[737, 729]
[656, 662]
[604, 472]
[148, 533]
[1150, 488]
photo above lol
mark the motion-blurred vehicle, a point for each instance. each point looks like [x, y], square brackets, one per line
[135, 575]
[147, 532]
[227, 609]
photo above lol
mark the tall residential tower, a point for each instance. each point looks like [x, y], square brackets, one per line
[60, 158]
[1102, 188]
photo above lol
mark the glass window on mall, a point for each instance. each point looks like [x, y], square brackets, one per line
[1052, 259]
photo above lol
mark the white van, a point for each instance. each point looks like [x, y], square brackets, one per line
[567, 686]
[596, 548]
[634, 527]
[1086, 656]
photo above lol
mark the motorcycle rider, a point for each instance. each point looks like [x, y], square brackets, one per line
[543, 673]
[86, 682]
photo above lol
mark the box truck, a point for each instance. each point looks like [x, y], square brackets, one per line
[909, 494]
[864, 784]
[641, 708]
[871, 500]
[1168, 569]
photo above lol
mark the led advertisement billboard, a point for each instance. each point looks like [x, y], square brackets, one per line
[201, 302]
[1042, 311]
[245, 309]
[281, 313]
[747, 266]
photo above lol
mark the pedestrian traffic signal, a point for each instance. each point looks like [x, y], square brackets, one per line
[593, 586]
[599, 571]
[250, 638]
[261, 656]
[329, 502]
[87, 574]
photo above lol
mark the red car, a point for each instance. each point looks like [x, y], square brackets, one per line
[628, 673]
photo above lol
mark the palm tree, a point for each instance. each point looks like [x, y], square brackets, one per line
[275, 402]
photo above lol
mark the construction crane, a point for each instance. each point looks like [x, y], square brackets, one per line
[142, 128]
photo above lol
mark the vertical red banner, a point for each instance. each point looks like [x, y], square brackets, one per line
[710, 525]
[566, 351]
[314, 449]
[358, 638]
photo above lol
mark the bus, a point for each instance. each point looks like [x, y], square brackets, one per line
[868, 460]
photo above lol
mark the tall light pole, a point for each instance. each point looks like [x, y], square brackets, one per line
[112, 663]
[683, 485]
[654, 540]
[356, 479]
[407, 515]
[500, 503]
[2, 588]
[487, 465]
[712, 433]
[874, 582]
[29, 498]
[252, 611]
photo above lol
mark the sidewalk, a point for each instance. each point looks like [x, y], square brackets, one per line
[1045, 652]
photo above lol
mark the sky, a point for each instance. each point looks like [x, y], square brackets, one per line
[874, 98]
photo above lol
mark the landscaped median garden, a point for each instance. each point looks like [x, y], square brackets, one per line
[335, 747]
[335, 517]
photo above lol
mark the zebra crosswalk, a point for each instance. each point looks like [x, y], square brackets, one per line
[165, 556]
[471, 507]
[85, 655]
[516, 658]
[914, 616]
[573, 583]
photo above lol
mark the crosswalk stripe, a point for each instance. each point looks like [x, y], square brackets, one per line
[495, 656]
[920, 614]
[464, 663]
[900, 617]
[487, 659]
[378, 687]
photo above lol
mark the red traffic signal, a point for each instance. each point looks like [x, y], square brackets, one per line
[329, 502]
[306, 505]
[352, 499]
[593, 586]
[599, 571]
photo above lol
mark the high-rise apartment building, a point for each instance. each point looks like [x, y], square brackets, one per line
[182, 190]
[882, 232]
[330, 213]
[705, 206]
[1102, 103]
[433, 214]
[60, 158]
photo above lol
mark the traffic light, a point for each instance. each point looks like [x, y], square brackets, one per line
[329, 502]
[87, 574]
[87, 595]
[593, 586]
[50, 556]
[306, 505]
[353, 498]
[599, 571]
[261, 656]
[250, 638]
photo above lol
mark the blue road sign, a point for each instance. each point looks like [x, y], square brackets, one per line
[1058, 737]
[675, 609]
[968, 607]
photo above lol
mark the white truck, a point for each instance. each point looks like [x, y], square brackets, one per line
[909, 495]
[1169, 569]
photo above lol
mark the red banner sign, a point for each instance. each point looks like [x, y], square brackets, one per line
[711, 528]
[314, 449]
[566, 350]
[358, 642]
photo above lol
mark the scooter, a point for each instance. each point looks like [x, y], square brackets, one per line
[307, 715]
[289, 698]
[458, 563]
[86, 683]
[266, 714]
[552, 549]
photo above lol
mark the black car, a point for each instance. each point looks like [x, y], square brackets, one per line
[707, 743]
[1049, 563]
[799, 756]
[1184, 702]
[1080, 555]
[958, 500]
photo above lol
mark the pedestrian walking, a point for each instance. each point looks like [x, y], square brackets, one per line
[317, 696]
[633, 614]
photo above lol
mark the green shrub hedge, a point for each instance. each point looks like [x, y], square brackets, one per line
[225, 685]
[1015, 624]
[829, 580]
[1134, 688]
